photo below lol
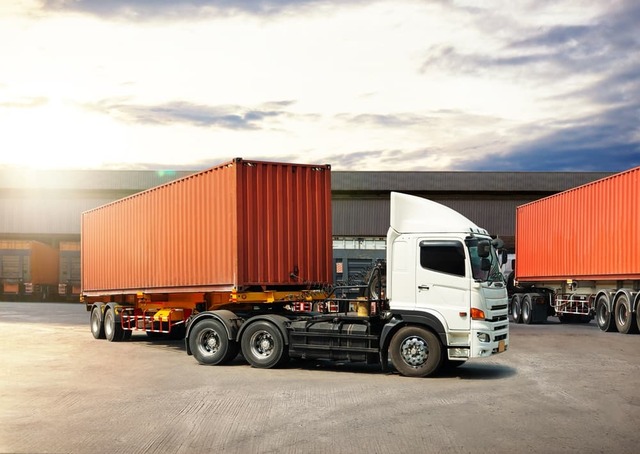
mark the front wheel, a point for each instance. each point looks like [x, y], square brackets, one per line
[210, 344]
[263, 345]
[416, 352]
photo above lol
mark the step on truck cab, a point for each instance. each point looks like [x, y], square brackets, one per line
[438, 300]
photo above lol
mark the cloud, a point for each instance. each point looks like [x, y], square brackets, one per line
[608, 141]
[25, 103]
[145, 9]
[180, 112]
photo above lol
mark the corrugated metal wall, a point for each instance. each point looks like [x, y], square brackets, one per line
[357, 217]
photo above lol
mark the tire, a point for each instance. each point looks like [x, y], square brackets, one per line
[263, 345]
[95, 322]
[210, 344]
[416, 352]
[624, 316]
[527, 310]
[604, 317]
[637, 314]
[516, 309]
[112, 329]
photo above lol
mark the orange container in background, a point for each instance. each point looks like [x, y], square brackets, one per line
[28, 261]
[243, 225]
[591, 232]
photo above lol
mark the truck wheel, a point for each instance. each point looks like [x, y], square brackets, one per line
[527, 310]
[209, 343]
[603, 315]
[416, 352]
[516, 309]
[97, 328]
[263, 345]
[112, 329]
[624, 316]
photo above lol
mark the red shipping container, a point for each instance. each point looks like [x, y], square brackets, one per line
[243, 224]
[591, 232]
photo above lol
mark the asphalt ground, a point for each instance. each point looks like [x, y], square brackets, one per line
[559, 389]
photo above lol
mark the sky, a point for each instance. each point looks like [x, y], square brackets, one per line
[389, 85]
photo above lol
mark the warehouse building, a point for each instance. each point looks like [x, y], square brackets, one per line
[41, 210]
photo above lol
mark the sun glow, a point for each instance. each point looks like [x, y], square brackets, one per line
[58, 135]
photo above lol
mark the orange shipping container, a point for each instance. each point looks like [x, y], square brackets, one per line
[243, 224]
[28, 261]
[587, 233]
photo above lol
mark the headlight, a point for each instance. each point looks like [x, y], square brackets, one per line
[484, 337]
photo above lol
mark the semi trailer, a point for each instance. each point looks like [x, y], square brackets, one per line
[238, 258]
[577, 255]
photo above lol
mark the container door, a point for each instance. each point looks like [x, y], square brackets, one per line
[441, 282]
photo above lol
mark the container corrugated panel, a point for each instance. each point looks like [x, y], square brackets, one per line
[238, 225]
[29, 261]
[588, 233]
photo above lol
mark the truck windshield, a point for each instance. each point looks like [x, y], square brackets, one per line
[493, 274]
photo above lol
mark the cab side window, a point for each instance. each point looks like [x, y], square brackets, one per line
[443, 257]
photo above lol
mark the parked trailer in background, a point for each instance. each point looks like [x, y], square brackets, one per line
[69, 285]
[577, 255]
[28, 270]
[229, 253]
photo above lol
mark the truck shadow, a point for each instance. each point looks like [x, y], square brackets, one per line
[477, 371]
[465, 372]
[468, 371]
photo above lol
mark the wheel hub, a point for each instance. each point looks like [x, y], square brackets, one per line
[211, 342]
[263, 344]
[414, 351]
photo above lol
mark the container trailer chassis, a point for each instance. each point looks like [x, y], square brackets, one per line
[614, 305]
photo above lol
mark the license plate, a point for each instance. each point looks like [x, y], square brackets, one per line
[501, 346]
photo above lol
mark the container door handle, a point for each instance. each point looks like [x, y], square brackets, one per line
[423, 287]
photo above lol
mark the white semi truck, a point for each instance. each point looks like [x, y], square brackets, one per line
[440, 299]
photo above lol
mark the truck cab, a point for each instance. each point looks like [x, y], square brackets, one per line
[444, 268]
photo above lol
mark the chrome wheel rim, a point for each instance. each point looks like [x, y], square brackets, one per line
[414, 351]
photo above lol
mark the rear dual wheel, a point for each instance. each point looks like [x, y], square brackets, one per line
[604, 317]
[113, 331]
[527, 310]
[210, 343]
[516, 308]
[95, 322]
[263, 345]
[624, 316]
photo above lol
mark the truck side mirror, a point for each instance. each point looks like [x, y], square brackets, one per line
[484, 248]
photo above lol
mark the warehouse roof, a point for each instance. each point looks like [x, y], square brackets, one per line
[341, 181]
[462, 181]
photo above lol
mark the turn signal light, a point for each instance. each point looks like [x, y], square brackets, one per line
[477, 314]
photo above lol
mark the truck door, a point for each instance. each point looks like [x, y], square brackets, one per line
[442, 284]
